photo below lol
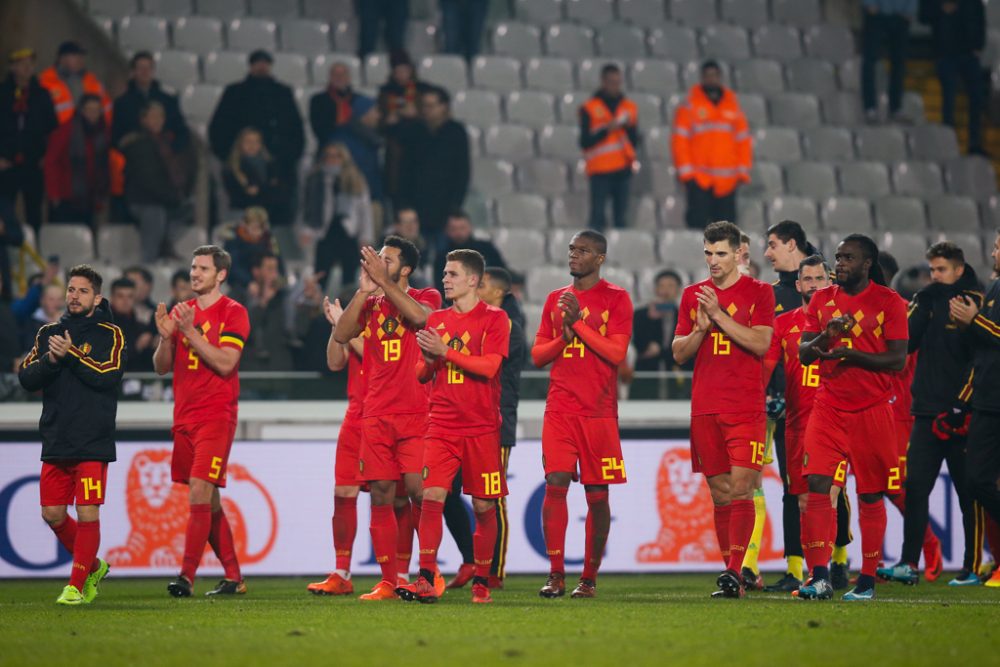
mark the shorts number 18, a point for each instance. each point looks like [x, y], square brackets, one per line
[491, 483]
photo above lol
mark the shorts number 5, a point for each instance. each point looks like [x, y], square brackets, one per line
[216, 467]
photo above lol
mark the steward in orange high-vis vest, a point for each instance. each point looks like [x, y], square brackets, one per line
[69, 79]
[609, 133]
[712, 149]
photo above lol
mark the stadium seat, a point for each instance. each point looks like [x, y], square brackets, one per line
[656, 142]
[523, 249]
[800, 13]
[682, 249]
[117, 242]
[641, 12]
[225, 67]
[798, 110]
[694, 13]
[543, 280]
[622, 277]
[532, 108]
[777, 42]
[653, 76]
[650, 108]
[146, 33]
[377, 70]
[498, 73]
[766, 180]
[492, 177]
[292, 69]
[345, 37]
[750, 14]
[842, 108]
[532, 318]
[539, 11]
[570, 211]
[190, 238]
[567, 40]
[829, 42]
[560, 142]
[933, 142]
[516, 39]
[274, 9]
[250, 34]
[595, 13]
[848, 214]
[631, 247]
[972, 176]
[578, 181]
[588, 72]
[475, 140]
[557, 243]
[672, 212]
[750, 213]
[754, 108]
[328, 10]
[809, 75]
[790, 207]
[865, 179]
[177, 69]
[759, 76]
[171, 9]
[74, 243]
[543, 176]
[569, 105]
[198, 101]
[674, 42]
[554, 75]
[305, 36]
[106, 25]
[447, 71]
[884, 144]
[677, 99]
[200, 34]
[511, 142]
[643, 214]
[920, 179]
[816, 180]
[620, 40]
[663, 178]
[908, 248]
[953, 213]
[725, 42]
[321, 64]
[421, 38]
[113, 8]
[777, 144]
[831, 144]
[897, 213]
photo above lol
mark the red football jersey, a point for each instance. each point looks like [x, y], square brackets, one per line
[462, 403]
[902, 389]
[727, 378]
[391, 353]
[880, 316]
[583, 383]
[801, 382]
[356, 385]
[201, 394]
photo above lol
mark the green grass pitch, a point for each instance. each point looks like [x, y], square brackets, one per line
[636, 620]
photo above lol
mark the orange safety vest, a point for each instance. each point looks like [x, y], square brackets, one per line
[62, 98]
[711, 142]
[615, 152]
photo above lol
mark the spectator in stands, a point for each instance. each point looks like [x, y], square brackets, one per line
[458, 233]
[462, 23]
[78, 165]
[50, 308]
[397, 100]
[244, 241]
[391, 14]
[145, 307]
[252, 177]
[310, 328]
[886, 23]
[26, 306]
[609, 134]
[11, 349]
[11, 236]
[653, 326]
[267, 348]
[140, 338]
[338, 213]
[143, 88]
[27, 118]
[158, 181]
[958, 29]
[407, 226]
[262, 103]
[68, 81]
[330, 109]
[712, 149]
[434, 170]
[180, 287]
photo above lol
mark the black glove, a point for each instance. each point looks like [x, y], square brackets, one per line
[954, 422]
[775, 408]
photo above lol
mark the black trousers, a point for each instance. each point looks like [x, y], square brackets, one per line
[337, 248]
[613, 186]
[983, 461]
[923, 464]
[27, 180]
[704, 207]
[456, 517]
[964, 68]
[891, 31]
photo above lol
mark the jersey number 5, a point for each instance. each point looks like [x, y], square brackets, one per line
[391, 349]
[193, 360]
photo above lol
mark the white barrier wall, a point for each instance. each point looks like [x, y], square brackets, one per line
[279, 501]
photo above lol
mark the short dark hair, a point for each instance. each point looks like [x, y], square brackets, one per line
[443, 96]
[472, 260]
[87, 98]
[500, 276]
[151, 105]
[180, 274]
[223, 260]
[122, 283]
[258, 258]
[724, 231]
[597, 238]
[408, 253]
[711, 64]
[870, 249]
[789, 230]
[814, 260]
[458, 213]
[140, 55]
[668, 273]
[610, 68]
[88, 272]
[890, 267]
[146, 274]
[946, 250]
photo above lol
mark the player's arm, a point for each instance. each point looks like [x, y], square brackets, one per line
[337, 354]
[816, 342]
[104, 367]
[548, 345]
[485, 365]
[755, 338]
[163, 357]
[223, 359]
[612, 349]
[409, 308]
[965, 311]
[39, 369]
[893, 359]
[690, 331]
[349, 324]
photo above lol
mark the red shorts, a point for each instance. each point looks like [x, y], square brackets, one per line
[795, 449]
[392, 446]
[591, 442]
[904, 427]
[865, 439]
[346, 466]
[73, 482]
[201, 451]
[719, 442]
[477, 455]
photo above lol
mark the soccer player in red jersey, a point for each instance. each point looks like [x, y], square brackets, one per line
[347, 480]
[202, 340]
[389, 312]
[463, 349]
[726, 323]
[857, 329]
[584, 333]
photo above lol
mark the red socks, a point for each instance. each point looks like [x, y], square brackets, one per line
[484, 541]
[598, 527]
[198, 529]
[383, 530]
[221, 539]
[555, 518]
[722, 520]
[430, 529]
[345, 528]
[88, 540]
[816, 524]
[741, 519]
[404, 537]
[871, 516]
[66, 534]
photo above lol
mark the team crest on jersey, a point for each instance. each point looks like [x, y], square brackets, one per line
[390, 325]
[86, 348]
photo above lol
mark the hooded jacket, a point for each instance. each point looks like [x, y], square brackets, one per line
[510, 373]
